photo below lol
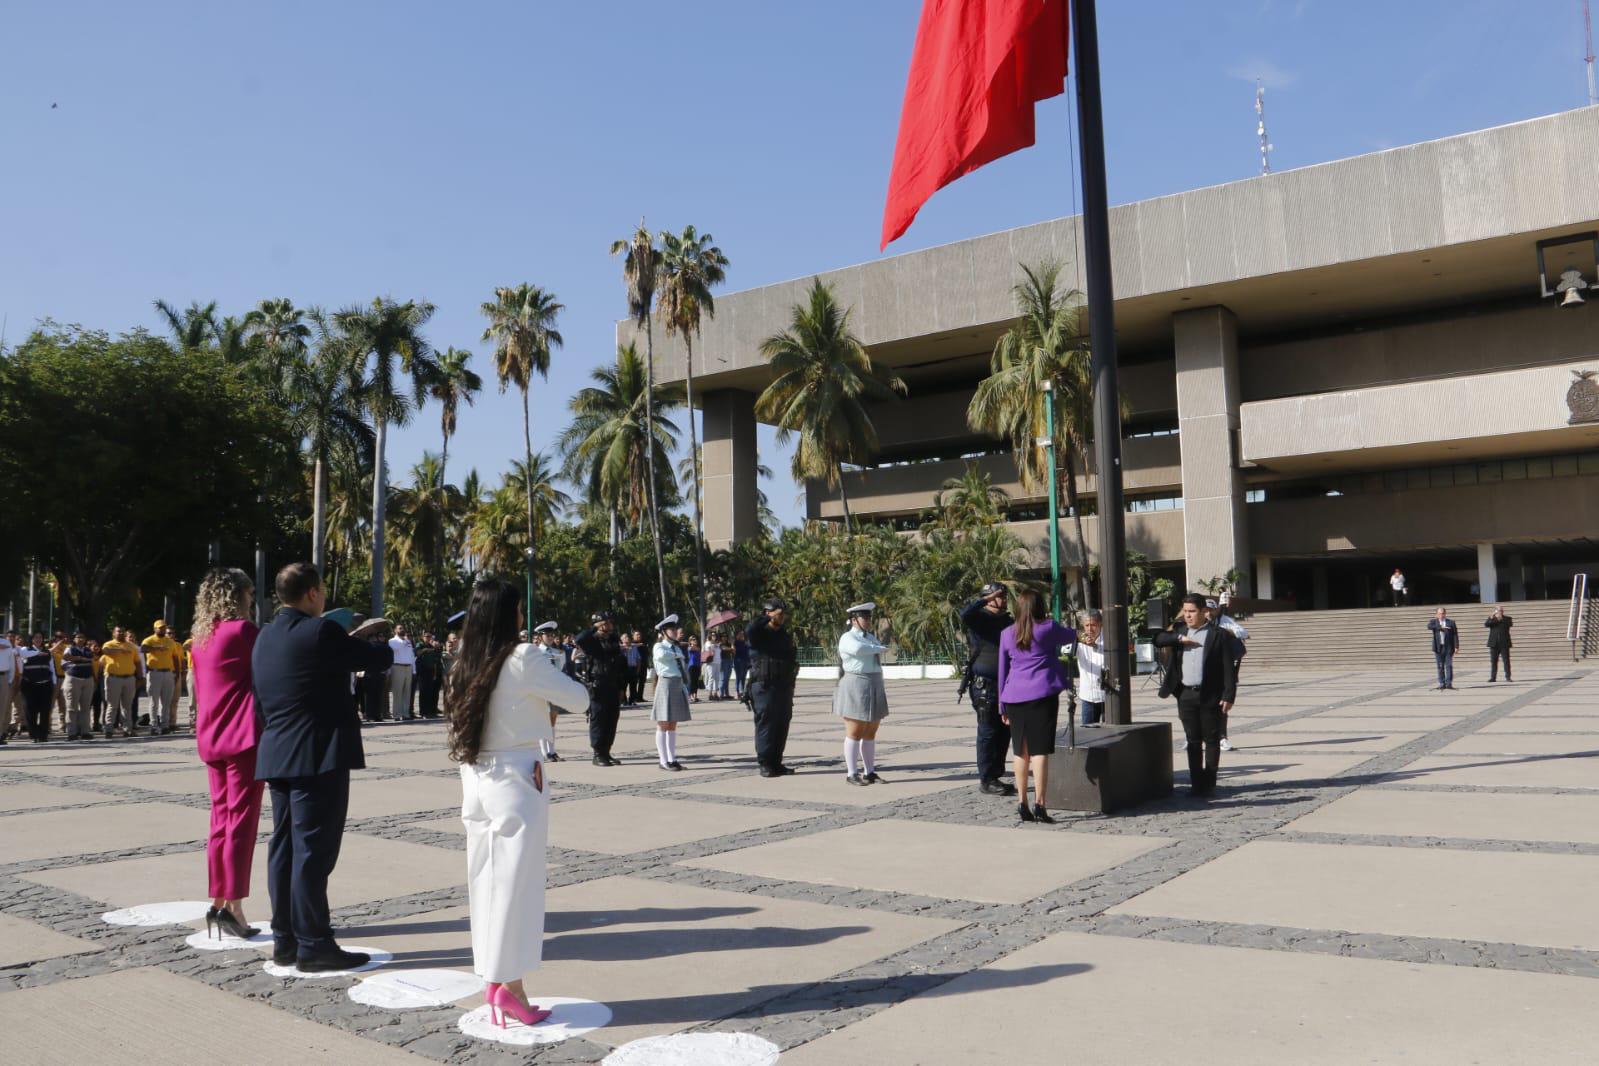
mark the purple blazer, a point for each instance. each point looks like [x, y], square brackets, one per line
[1037, 672]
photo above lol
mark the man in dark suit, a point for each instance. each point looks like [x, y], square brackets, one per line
[1203, 675]
[310, 741]
[1445, 642]
[1498, 625]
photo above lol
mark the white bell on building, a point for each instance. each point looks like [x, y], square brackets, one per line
[1572, 284]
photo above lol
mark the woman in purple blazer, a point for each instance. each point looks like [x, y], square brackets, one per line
[1031, 679]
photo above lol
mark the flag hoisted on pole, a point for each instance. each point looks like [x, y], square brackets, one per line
[978, 68]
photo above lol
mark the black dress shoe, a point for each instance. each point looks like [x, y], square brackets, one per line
[553, 757]
[674, 764]
[612, 761]
[854, 779]
[786, 770]
[1006, 787]
[333, 960]
[600, 760]
[872, 778]
[285, 952]
[767, 771]
[991, 788]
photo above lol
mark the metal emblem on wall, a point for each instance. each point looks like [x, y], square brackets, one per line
[1583, 397]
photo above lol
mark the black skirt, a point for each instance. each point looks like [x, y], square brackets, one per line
[1033, 723]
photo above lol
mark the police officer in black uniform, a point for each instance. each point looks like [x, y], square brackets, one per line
[774, 665]
[604, 671]
[985, 618]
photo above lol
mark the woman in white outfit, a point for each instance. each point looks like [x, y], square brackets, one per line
[860, 698]
[498, 700]
[670, 705]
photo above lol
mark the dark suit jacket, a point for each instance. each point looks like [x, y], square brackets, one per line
[1452, 631]
[1499, 631]
[302, 667]
[1220, 678]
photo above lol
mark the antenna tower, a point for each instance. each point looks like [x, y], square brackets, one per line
[1260, 125]
[1587, 29]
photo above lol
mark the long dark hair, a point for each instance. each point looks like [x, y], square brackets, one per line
[488, 637]
[1029, 611]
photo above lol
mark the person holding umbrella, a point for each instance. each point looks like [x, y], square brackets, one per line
[860, 698]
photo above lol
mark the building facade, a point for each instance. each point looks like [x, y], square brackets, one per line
[1327, 372]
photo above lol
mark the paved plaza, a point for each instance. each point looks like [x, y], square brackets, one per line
[1386, 873]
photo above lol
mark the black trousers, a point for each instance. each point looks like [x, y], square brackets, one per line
[1202, 728]
[427, 692]
[307, 828]
[774, 710]
[636, 688]
[993, 735]
[605, 709]
[36, 703]
[1494, 655]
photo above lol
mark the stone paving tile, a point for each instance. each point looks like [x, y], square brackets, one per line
[1505, 771]
[22, 941]
[48, 834]
[1576, 744]
[42, 797]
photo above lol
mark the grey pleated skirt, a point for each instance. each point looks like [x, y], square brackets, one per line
[671, 701]
[861, 698]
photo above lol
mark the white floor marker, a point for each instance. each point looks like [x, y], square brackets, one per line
[379, 957]
[177, 912]
[204, 941]
[411, 989]
[568, 1018]
[695, 1049]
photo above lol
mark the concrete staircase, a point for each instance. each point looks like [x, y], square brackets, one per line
[1397, 637]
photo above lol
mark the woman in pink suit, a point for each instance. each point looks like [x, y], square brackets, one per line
[227, 733]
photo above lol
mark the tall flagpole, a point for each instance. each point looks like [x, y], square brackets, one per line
[1102, 334]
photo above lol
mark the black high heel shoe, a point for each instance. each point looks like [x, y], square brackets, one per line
[1042, 815]
[1023, 810]
[211, 924]
[231, 926]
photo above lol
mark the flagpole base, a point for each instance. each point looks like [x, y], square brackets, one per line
[1113, 767]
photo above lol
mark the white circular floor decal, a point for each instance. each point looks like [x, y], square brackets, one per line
[696, 1049]
[411, 989]
[204, 941]
[379, 957]
[177, 912]
[568, 1018]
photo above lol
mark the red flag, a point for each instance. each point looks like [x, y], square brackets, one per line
[978, 69]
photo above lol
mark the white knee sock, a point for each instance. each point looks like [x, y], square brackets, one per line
[869, 756]
[671, 745]
[660, 746]
[852, 756]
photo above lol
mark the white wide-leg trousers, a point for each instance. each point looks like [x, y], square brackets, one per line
[507, 828]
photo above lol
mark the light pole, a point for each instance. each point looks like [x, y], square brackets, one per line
[1048, 444]
[529, 619]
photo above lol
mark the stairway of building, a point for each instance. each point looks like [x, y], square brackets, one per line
[1398, 636]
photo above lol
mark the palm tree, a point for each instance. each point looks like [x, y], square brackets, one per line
[1047, 344]
[690, 266]
[641, 268]
[971, 500]
[457, 383]
[522, 327]
[821, 378]
[390, 333]
[281, 331]
[421, 512]
[496, 535]
[604, 451]
[193, 327]
[536, 481]
[323, 393]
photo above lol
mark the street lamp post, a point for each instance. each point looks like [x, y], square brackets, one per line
[529, 619]
[1048, 444]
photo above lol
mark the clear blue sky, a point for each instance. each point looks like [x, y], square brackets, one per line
[331, 152]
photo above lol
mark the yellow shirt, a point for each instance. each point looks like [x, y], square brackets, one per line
[188, 654]
[56, 653]
[160, 653]
[121, 658]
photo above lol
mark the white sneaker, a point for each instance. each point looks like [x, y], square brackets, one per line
[1226, 745]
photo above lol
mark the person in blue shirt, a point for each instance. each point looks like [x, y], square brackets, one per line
[671, 694]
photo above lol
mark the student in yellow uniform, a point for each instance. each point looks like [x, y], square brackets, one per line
[161, 655]
[58, 648]
[186, 677]
[121, 665]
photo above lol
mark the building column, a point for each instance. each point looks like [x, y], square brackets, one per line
[1264, 586]
[1518, 576]
[1487, 574]
[1214, 524]
[728, 467]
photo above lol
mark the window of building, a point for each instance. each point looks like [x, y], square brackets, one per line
[1514, 469]
[1145, 504]
[1254, 495]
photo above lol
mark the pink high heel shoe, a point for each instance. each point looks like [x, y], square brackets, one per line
[502, 999]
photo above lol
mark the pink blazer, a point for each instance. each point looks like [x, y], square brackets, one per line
[225, 722]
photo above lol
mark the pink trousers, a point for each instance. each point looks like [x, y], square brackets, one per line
[235, 815]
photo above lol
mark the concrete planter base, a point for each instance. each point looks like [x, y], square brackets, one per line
[1112, 767]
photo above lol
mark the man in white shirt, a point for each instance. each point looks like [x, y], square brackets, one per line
[1203, 678]
[1216, 612]
[1397, 583]
[1091, 669]
[400, 675]
[8, 677]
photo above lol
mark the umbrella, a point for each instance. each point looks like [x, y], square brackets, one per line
[721, 618]
[370, 626]
[342, 615]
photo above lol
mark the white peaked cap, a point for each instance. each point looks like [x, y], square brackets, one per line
[669, 620]
[546, 627]
[862, 608]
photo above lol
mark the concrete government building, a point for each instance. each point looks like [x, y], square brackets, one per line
[1330, 372]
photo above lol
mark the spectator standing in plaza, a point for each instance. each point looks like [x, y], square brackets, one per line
[121, 666]
[860, 698]
[741, 662]
[1091, 669]
[310, 741]
[58, 650]
[1445, 642]
[497, 699]
[8, 676]
[77, 662]
[631, 654]
[429, 666]
[724, 657]
[670, 705]
[226, 735]
[1202, 676]
[99, 686]
[986, 620]
[1031, 679]
[38, 674]
[711, 667]
[636, 692]
[696, 669]
[161, 654]
[185, 676]
[1218, 615]
[11, 709]
[401, 674]
[1396, 582]
[1498, 626]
